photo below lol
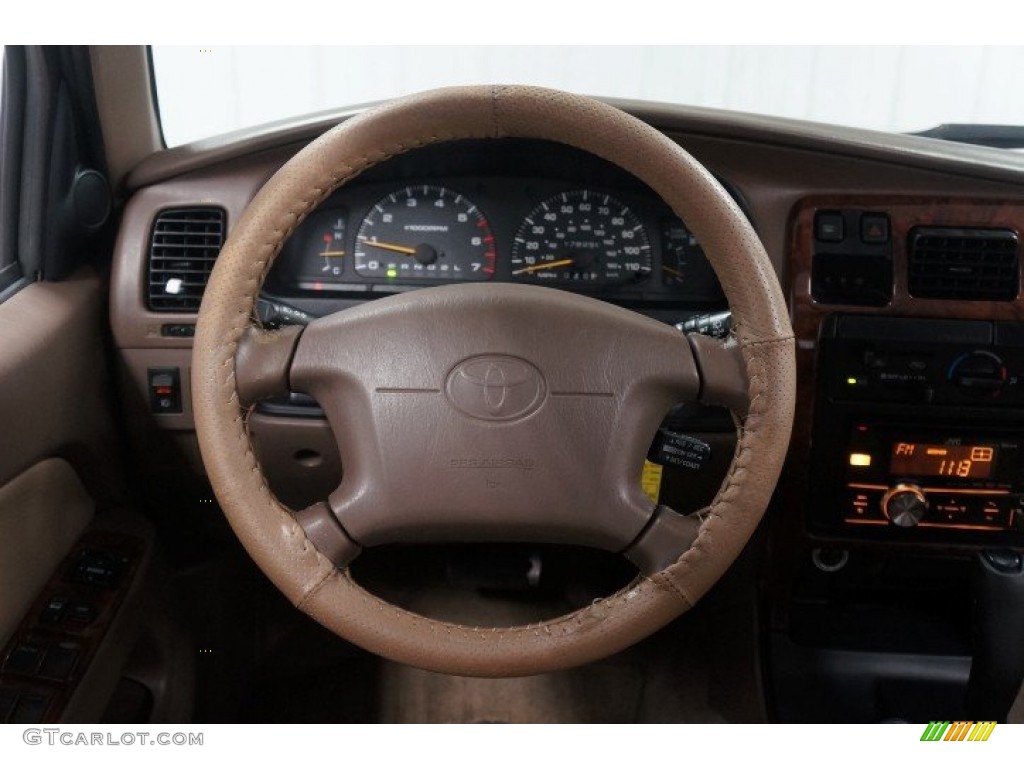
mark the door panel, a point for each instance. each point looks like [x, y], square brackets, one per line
[52, 382]
[43, 511]
[60, 465]
[51, 405]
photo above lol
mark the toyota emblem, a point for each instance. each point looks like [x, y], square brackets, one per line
[495, 387]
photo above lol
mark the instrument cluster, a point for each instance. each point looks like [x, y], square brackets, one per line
[614, 241]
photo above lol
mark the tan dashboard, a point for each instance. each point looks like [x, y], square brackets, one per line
[785, 174]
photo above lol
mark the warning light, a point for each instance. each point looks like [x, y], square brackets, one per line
[392, 273]
[851, 381]
[860, 460]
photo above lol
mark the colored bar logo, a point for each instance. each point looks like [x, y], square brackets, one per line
[943, 730]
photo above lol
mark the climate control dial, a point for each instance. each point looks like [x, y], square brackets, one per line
[979, 373]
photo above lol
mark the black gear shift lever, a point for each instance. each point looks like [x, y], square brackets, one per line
[998, 667]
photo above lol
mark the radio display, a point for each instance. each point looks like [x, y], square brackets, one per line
[966, 461]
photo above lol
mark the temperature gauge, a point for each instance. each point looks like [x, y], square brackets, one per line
[321, 256]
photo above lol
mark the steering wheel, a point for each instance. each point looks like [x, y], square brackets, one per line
[493, 413]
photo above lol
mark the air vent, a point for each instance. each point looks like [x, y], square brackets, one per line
[965, 264]
[184, 245]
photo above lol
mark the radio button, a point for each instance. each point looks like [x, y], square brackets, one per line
[860, 506]
[864, 507]
[1017, 519]
[991, 512]
[905, 505]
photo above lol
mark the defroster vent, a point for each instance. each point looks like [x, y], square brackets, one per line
[184, 245]
[964, 264]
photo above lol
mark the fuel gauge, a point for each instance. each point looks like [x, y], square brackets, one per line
[683, 263]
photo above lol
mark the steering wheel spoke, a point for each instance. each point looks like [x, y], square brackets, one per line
[664, 540]
[723, 375]
[263, 362]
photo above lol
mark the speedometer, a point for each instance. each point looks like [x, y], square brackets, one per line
[582, 236]
[424, 232]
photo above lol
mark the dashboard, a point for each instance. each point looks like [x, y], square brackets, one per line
[510, 211]
[861, 229]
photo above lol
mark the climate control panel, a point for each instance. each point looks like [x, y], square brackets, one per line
[924, 362]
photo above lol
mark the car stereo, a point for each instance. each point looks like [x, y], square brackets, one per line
[902, 477]
[918, 431]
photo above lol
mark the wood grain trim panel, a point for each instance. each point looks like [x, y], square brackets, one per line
[904, 213]
[84, 638]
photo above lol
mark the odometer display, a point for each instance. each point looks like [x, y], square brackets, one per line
[581, 236]
[424, 232]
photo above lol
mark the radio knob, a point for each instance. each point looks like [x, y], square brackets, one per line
[905, 505]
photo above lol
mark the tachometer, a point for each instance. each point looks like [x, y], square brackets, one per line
[424, 232]
[582, 236]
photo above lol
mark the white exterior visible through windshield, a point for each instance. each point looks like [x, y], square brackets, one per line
[207, 91]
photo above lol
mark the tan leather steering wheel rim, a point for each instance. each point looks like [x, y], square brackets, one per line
[285, 550]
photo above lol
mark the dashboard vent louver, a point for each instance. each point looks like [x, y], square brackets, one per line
[964, 264]
[182, 249]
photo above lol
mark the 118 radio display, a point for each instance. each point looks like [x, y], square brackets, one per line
[924, 460]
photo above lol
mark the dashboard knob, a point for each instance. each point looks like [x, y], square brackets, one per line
[905, 505]
[981, 373]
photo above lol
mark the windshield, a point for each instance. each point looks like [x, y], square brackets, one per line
[207, 91]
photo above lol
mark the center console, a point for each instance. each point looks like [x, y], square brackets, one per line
[916, 436]
[896, 573]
